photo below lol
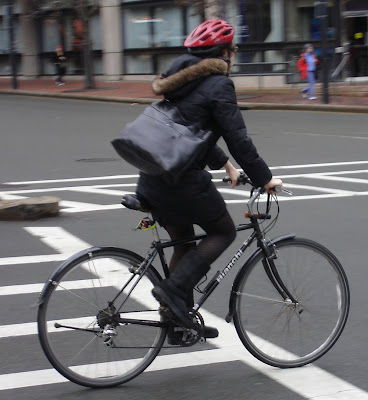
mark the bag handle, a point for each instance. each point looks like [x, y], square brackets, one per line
[181, 114]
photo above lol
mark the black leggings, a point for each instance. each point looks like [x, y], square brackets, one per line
[220, 234]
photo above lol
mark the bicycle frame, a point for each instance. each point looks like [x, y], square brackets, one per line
[267, 248]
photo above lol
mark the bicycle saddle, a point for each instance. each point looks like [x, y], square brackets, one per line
[131, 201]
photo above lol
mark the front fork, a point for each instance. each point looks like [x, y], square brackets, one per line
[271, 254]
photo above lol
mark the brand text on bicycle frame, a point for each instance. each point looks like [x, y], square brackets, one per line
[230, 265]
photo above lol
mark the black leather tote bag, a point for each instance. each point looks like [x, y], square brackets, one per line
[161, 142]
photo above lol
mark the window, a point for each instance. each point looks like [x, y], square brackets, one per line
[146, 27]
[51, 34]
[256, 20]
[138, 64]
[301, 23]
[137, 29]
[4, 36]
[168, 27]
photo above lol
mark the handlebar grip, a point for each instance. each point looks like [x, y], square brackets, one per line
[242, 179]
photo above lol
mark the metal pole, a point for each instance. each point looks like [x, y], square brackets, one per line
[321, 12]
[12, 53]
[89, 81]
[324, 29]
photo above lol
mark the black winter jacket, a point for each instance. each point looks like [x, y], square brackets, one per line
[204, 94]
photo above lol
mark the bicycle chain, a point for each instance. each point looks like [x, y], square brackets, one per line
[196, 315]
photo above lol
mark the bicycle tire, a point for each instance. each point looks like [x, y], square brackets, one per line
[274, 330]
[78, 295]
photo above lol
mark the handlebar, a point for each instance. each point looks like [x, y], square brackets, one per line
[256, 191]
[243, 180]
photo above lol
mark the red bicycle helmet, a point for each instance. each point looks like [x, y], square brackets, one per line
[212, 32]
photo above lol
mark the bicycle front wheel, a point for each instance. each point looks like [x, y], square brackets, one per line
[76, 318]
[278, 332]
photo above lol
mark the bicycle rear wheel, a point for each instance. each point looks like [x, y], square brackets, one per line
[276, 331]
[86, 345]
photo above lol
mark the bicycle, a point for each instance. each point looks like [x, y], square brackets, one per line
[100, 326]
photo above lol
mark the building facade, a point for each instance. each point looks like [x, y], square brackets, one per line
[142, 37]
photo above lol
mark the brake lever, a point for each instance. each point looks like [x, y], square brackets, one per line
[278, 189]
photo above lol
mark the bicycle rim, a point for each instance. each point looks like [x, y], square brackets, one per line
[276, 331]
[97, 355]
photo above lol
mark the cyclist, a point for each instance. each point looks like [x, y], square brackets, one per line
[198, 84]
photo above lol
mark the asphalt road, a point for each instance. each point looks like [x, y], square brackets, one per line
[62, 148]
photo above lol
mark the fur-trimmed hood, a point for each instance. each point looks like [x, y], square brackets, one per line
[188, 74]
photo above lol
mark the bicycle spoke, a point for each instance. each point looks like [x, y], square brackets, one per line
[261, 298]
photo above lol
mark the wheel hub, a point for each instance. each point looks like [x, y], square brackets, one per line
[105, 317]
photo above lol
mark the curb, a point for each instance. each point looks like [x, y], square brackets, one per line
[304, 107]
[29, 209]
[112, 99]
[242, 105]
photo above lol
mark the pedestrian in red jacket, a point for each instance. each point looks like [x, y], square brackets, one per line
[307, 65]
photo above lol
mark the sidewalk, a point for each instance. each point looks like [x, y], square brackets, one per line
[342, 97]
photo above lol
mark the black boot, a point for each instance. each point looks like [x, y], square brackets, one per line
[175, 334]
[208, 331]
[174, 291]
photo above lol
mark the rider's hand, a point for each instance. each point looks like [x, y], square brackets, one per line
[233, 174]
[272, 183]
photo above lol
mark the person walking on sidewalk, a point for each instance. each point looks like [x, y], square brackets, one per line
[307, 66]
[60, 63]
[198, 84]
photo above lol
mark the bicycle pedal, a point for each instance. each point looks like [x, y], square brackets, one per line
[166, 313]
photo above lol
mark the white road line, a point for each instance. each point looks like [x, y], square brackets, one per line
[95, 190]
[334, 164]
[96, 207]
[237, 192]
[6, 196]
[61, 189]
[308, 197]
[113, 177]
[246, 194]
[312, 174]
[346, 172]
[20, 289]
[34, 259]
[340, 179]
[58, 239]
[94, 178]
[325, 135]
[65, 243]
[37, 287]
[318, 189]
